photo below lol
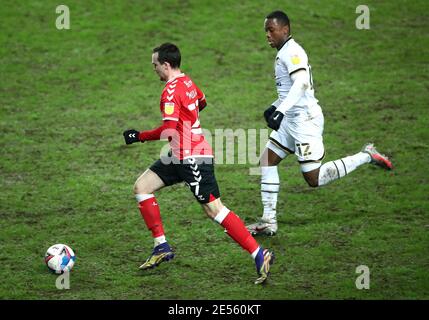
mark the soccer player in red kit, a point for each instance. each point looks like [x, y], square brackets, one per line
[190, 160]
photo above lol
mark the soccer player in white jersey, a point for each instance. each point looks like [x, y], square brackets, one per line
[297, 121]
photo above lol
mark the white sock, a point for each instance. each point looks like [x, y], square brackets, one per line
[142, 197]
[255, 253]
[159, 240]
[337, 169]
[270, 186]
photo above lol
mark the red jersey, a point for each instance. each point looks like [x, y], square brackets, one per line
[180, 101]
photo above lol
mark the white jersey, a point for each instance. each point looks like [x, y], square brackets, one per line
[290, 59]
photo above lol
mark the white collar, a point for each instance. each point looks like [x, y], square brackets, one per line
[178, 76]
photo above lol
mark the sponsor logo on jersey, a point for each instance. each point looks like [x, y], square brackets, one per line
[169, 108]
[295, 59]
[188, 83]
[192, 94]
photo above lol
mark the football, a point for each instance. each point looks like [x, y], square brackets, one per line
[60, 258]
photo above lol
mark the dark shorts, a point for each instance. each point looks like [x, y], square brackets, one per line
[197, 173]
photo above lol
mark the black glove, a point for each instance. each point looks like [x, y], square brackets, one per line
[269, 112]
[275, 120]
[131, 136]
[202, 105]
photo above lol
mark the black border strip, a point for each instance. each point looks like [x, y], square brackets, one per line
[308, 161]
[296, 71]
[345, 170]
[281, 146]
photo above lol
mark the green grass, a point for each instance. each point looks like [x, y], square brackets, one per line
[66, 175]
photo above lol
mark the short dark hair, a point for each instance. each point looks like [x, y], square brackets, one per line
[168, 52]
[280, 16]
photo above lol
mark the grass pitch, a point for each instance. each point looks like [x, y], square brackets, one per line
[67, 177]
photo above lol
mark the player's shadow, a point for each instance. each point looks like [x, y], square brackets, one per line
[163, 270]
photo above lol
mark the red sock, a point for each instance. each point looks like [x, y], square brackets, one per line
[237, 230]
[149, 210]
